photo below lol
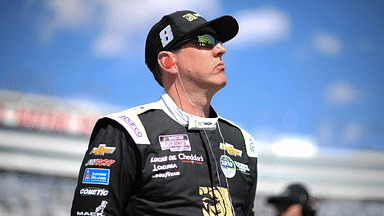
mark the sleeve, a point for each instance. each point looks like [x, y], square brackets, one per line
[253, 159]
[109, 172]
[250, 211]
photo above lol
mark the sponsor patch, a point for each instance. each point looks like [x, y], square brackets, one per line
[166, 174]
[100, 162]
[190, 17]
[215, 201]
[198, 123]
[175, 143]
[136, 130]
[96, 176]
[132, 123]
[228, 166]
[250, 144]
[163, 167]
[244, 168]
[230, 149]
[99, 211]
[92, 191]
[102, 149]
[192, 158]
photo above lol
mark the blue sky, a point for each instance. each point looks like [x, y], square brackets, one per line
[309, 69]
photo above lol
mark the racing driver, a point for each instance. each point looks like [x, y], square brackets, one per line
[175, 156]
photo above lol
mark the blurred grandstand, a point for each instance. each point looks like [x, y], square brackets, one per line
[43, 140]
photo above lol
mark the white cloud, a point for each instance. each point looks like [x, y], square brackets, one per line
[342, 93]
[124, 23]
[71, 12]
[68, 15]
[295, 146]
[327, 44]
[262, 26]
[270, 141]
[110, 45]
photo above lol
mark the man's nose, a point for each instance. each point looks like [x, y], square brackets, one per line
[219, 50]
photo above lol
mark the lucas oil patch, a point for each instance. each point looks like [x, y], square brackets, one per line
[175, 142]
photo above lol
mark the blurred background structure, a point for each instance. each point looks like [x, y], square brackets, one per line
[305, 77]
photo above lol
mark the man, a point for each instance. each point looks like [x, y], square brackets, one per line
[175, 156]
[295, 201]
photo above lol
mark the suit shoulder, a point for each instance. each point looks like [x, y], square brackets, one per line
[130, 120]
[248, 139]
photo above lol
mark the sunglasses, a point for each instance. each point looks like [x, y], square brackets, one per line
[206, 41]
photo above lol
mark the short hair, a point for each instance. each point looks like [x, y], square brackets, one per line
[158, 74]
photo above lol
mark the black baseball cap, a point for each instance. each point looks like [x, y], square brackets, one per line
[295, 193]
[179, 25]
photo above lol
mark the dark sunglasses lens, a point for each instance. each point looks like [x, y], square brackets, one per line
[207, 41]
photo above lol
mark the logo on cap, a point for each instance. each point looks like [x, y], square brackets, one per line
[166, 35]
[190, 17]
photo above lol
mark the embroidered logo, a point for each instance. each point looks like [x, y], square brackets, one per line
[99, 162]
[190, 17]
[166, 36]
[230, 149]
[102, 149]
[215, 201]
[175, 142]
[96, 176]
[228, 166]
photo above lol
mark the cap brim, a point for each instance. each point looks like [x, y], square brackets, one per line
[226, 27]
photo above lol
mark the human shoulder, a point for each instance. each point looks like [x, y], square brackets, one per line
[130, 120]
[248, 139]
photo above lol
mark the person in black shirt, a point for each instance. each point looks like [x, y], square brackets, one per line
[175, 156]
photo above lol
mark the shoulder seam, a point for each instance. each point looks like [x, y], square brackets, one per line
[130, 120]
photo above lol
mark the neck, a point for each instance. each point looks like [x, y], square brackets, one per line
[192, 102]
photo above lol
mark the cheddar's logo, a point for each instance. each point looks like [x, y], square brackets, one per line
[102, 149]
[230, 149]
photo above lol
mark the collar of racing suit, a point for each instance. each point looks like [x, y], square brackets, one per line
[193, 122]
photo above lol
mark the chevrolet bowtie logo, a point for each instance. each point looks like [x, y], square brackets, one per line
[102, 149]
[230, 149]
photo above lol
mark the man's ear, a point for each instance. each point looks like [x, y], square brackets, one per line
[166, 61]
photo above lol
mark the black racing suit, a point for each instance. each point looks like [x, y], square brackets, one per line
[158, 160]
